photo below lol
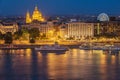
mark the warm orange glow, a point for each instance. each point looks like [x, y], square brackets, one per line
[37, 15]
[113, 59]
[103, 57]
[28, 19]
[28, 52]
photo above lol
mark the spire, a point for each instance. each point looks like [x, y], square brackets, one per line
[28, 19]
[28, 13]
[36, 8]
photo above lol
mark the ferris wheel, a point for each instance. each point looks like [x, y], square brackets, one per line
[103, 17]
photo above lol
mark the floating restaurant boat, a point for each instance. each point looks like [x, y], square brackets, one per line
[8, 47]
[56, 48]
[85, 47]
[11, 47]
[103, 47]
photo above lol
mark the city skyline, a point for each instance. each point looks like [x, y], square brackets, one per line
[60, 7]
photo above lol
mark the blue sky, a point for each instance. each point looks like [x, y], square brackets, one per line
[60, 7]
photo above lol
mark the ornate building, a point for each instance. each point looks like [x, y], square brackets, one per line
[37, 21]
[37, 16]
[80, 30]
[8, 27]
[45, 28]
[28, 18]
[103, 28]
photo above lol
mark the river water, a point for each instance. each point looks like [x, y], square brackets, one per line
[75, 64]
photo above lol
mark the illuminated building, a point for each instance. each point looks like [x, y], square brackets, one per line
[37, 21]
[63, 31]
[8, 27]
[37, 16]
[45, 28]
[111, 27]
[28, 18]
[80, 30]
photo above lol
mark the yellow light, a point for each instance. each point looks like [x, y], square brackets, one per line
[113, 59]
[37, 15]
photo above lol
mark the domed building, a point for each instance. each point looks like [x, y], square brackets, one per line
[36, 20]
[103, 17]
[37, 16]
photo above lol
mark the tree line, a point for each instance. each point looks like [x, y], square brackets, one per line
[30, 34]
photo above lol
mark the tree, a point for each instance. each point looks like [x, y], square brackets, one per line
[25, 33]
[18, 34]
[24, 30]
[32, 41]
[34, 33]
[1, 35]
[43, 36]
[8, 38]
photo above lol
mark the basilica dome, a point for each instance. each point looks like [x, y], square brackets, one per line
[36, 16]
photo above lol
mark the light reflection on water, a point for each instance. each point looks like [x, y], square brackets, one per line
[75, 64]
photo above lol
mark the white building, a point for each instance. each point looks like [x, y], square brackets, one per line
[79, 30]
[8, 27]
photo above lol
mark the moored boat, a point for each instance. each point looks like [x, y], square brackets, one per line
[102, 47]
[56, 48]
[12, 47]
[8, 47]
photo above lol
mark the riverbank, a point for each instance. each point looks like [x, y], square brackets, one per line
[33, 45]
[25, 46]
[70, 43]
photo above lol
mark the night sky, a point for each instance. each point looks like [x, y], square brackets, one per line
[60, 7]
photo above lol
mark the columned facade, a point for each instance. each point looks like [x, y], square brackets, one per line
[80, 30]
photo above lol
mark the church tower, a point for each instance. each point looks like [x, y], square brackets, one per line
[28, 19]
[37, 15]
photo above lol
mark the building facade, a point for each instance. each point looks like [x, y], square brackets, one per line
[105, 28]
[8, 27]
[79, 30]
[37, 21]
[45, 28]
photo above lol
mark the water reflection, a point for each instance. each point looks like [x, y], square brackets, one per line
[8, 68]
[75, 64]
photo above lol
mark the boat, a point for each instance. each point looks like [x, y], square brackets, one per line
[100, 47]
[85, 47]
[8, 47]
[56, 48]
[12, 47]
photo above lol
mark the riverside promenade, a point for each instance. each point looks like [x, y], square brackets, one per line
[73, 43]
